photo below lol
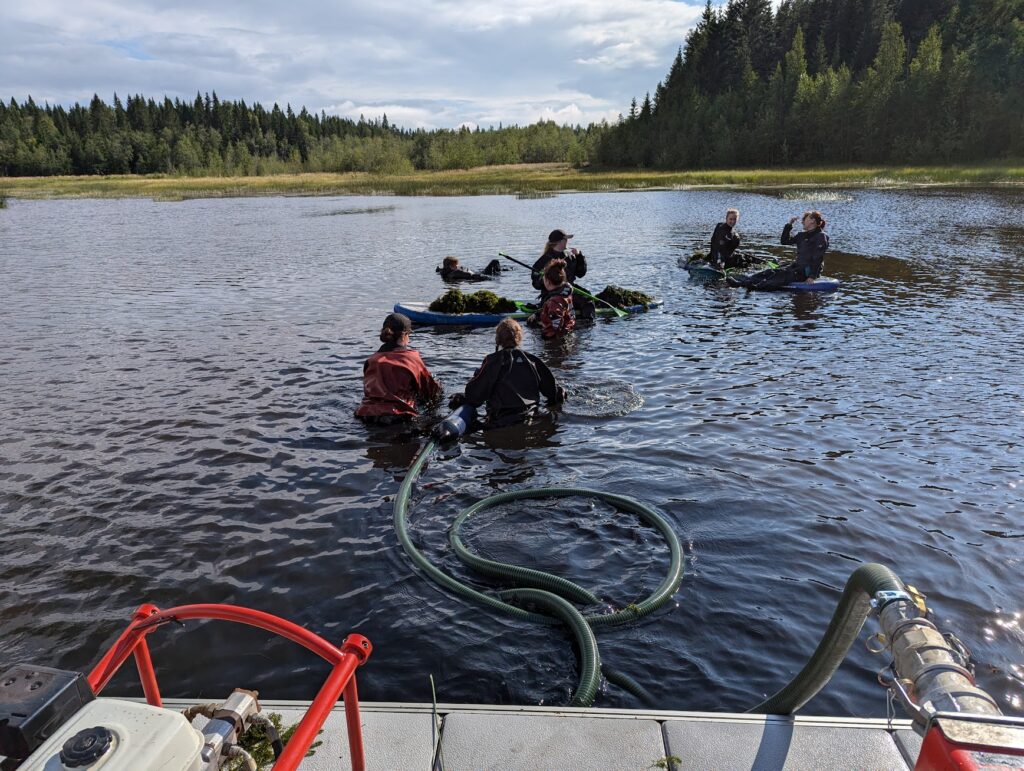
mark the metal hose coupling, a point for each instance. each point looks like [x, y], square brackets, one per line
[929, 672]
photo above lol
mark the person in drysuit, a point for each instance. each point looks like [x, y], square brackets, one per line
[575, 268]
[811, 245]
[452, 272]
[395, 377]
[557, 316]
[510, 382]
[724, 241]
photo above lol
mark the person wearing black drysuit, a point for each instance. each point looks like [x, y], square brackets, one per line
[811, 245]
[510, 382]
[575, 267]
[724, 241]
[452, 272]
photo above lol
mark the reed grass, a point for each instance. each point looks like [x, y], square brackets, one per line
[525, 180]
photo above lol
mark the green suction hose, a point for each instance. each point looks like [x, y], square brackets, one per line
[590, 659]
[545, 590]
[847, 620]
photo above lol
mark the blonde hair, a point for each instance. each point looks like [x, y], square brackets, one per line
[508, 334]
[548, 246]
[732, 211]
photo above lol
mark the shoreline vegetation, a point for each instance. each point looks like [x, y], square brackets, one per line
[524, 180]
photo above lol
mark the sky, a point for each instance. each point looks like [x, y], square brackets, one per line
[424, 63]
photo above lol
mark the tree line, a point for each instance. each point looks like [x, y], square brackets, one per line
[818, 82]
[208, 136]
[835, 82]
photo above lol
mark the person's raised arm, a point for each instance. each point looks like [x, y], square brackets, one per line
[581, 265]
[787, 238]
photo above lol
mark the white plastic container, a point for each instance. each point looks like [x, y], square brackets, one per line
[141, 738]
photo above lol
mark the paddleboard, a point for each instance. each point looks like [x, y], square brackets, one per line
[821, 284]
[420, 313]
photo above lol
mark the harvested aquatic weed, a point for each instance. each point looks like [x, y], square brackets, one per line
[624, 298]
[484, 301]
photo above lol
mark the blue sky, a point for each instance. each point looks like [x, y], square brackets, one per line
[429, 63]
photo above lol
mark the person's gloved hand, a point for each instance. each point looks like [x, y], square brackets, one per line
[456, 401]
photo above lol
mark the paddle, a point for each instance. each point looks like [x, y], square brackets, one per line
[618, 312]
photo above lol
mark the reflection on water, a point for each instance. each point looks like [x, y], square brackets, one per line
[179, 381]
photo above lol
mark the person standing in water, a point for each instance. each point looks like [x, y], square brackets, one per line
[510, 381]
[811, 245]
[557, 316]
[395, 377]
[557, 248]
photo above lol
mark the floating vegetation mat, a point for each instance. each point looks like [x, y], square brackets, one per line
[828, 196]
[357, 210]
[624, 298]
[484, 301]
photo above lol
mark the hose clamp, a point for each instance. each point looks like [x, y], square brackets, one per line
[902, 626]
[885, 596]
[948, 667]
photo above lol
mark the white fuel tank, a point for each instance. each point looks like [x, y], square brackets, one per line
[117, 735]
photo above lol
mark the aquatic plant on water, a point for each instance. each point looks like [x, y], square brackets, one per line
[624, 298]
[484, 301]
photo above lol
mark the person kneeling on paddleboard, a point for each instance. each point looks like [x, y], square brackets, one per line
[557, 316]
[450, 270]
[395, 377]
[811, 246]
[575, 267]
[724, 241]
[510, 381]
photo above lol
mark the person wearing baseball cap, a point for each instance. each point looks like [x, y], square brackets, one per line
[395, 377]
[575, 267]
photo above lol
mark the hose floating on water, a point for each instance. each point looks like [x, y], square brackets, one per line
[546, 591]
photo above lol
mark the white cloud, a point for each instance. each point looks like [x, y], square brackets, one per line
[426, 64]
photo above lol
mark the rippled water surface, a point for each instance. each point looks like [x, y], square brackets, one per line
[178, 381]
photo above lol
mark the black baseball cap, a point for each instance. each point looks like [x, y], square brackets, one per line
[558, 235]
[398, 323]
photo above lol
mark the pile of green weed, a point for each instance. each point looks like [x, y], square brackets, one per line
[624, 298]
[256, 742]
[484, 301]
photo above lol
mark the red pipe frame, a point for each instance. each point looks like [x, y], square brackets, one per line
[352, 654]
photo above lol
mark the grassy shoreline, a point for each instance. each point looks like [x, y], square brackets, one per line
[526, 180]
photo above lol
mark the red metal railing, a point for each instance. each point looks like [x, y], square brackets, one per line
[352, 654]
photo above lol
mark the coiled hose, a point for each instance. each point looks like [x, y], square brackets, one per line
[546, 591]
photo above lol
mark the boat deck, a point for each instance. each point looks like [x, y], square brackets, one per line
[399, 736]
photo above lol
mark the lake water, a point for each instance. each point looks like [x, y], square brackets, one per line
[178, 382]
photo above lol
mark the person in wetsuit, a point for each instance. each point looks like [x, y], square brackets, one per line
[452, 272]
[575, 267]
[724, 241]
[510, 381]
[395, 377]
[811, 245]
